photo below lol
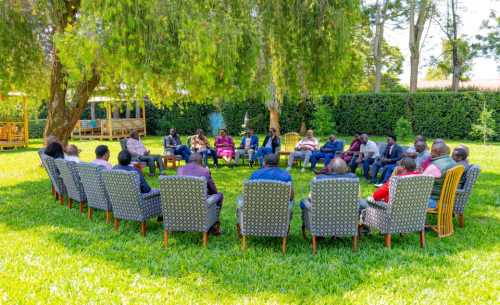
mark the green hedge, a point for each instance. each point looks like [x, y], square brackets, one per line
[36, 128]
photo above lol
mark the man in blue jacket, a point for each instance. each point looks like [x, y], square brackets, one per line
[248, 146]
[327, 151]
[124, 159]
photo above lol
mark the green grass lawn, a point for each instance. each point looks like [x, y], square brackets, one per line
[50, 254]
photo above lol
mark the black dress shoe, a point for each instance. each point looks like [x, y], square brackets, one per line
[160, 218]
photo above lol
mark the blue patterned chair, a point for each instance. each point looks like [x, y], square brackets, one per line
[55, 178]
[186, 207]
[170, 151]
[69, 174]
[97, 195]
[406, 209]
[264, 209]
[333, 210]
[40, 152]
[127, 200]
[463, 194]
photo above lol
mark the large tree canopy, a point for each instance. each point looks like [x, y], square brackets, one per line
[176, 51]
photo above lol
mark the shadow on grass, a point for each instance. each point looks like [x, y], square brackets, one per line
[223, 268]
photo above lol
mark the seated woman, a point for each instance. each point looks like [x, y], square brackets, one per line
[269, 146]
[54, 150]
[225, 147]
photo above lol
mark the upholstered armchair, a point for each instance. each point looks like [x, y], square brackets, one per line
[69, 175]
[333, 210]
[186, 207]
[97, 195]
[406, 209]
[264, 209]
[55, 178]
[462, 194]
[170, 151]
[127, 200]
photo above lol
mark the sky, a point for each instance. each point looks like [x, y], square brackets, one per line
[472, 12]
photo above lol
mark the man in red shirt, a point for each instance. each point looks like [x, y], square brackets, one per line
[406, 166]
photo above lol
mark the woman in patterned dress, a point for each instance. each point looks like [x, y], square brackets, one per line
[225, 147]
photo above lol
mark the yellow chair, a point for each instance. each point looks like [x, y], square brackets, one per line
[291, 140]
[444, 208]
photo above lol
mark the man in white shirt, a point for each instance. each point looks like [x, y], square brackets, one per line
[72, 153]
[102, 156]
[306, 148]
[367, 154]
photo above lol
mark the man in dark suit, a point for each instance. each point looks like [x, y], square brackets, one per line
[391, 155]
[124, 159]
[194, 168]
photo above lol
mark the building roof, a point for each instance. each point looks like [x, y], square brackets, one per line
[479, 84]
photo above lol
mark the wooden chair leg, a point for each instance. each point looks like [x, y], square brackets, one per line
[422, 239]
[82, 206]
[165, 239]
[243, 249]
[204, 240]
[171, 232]
[53, 191]
[359, 231]
[284, 246]
[218, 226]
[143, 228]
[62, 200]
[388, 240]
[401, 235]
[57, 196]
[314, 244]
[355, 244]
[108, 216]
[461, 221]
[304, 232]
[90, 213]
[116, 224]
[287, 232]
[239, 230]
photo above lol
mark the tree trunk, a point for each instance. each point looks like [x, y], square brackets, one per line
[127, 111]
[414, 58]
[377, 44]
[416, 30]
[456, 77]
[137, 110]
[275, 122]
[456, 66]
[116, 112]
[303, 97]
[92, 110]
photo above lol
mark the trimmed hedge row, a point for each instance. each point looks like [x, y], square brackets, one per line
[36, 128]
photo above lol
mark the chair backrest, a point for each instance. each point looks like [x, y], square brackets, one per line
[183, 201]
[90, 176]
[381, 147]
[291, 140]
[335, 207]
[446, 200]
[164, 139]
[342, 144]
[408, 202]
[265, 207]
[123, 143]
[404, 148]
[461, 199]
[69, 175]
[188, 141]
[124, 193]
[93, 124]
[50, 166]
[84, 124]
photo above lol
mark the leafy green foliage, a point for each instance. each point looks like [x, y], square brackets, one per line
[403, 128]
[36, 128]
[323, 123]
[490, 43]
[485, 129]
[442, 68]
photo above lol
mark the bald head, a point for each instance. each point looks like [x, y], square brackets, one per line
[72, 150]
[338, 166]
[438, 141]
[52, 139]
[364, 138]
[440, 149]
[195, 158]
[464, 148]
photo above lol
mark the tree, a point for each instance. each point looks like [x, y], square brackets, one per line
[490, 43]
[419, 13]
[444, 68]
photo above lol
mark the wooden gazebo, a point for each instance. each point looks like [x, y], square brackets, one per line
[109, 128]
[15, 134]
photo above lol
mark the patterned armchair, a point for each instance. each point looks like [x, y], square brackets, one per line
[186, 207]
[55, 178]
[97, 195]
[170, 151]
[406, 209]
[264, 209]
[463, 194]
[69, 175]
[333, 210]
[127, 200]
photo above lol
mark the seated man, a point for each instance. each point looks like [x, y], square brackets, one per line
[174, 141]
[102, 156]
[406, 166]
[391, 155]
[368, 151]
[271, 171]
[459, 155]
[337, 169]
[72, 153]
[134, 145]
[124, 159]
[269, 146]
[464, 148]
[440, 164]
[412, 152]
[427, 161]
[305, 147]
[421, 153]
[326, 151]
[248, 146]
[194, 168]
[201, 145]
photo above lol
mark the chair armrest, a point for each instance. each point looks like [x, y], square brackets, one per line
[151, 194]
[460, 191]
[378, 203]
[290, 205]
[307, 204]
[212, 199]
[239, 201]
[135, 155]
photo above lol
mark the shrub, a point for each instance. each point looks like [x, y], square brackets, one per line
[403, 128]
[36, 128]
